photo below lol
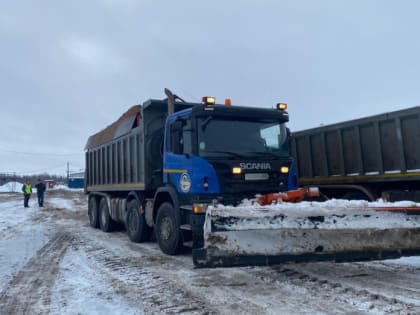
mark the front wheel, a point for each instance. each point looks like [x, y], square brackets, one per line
[168, 234]
[135, 222]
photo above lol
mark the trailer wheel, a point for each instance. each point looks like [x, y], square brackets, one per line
[93, 212]
[105, 221]
[135, 222]
[168, 234]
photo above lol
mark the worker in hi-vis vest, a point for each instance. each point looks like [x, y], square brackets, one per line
[27, 191]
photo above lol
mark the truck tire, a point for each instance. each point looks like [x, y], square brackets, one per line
[105, 221]
[93, 212]
[135, 223]
[168, 234]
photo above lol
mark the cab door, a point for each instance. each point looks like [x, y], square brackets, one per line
[178, 170]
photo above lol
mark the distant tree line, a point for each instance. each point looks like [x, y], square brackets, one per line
[12, 177]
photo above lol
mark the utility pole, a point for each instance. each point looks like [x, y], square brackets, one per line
[68, 171]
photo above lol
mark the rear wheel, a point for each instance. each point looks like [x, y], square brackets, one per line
[93, 212]
[137, 228]
[105, 221]
[168, 234]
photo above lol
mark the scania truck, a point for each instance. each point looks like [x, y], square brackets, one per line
[161, 164]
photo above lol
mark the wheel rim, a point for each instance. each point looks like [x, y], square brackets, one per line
[165, 228]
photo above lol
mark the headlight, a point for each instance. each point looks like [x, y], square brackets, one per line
[200, 208]
[284, 169]
[236, 170]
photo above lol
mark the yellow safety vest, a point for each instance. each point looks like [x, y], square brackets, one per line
[28, 189]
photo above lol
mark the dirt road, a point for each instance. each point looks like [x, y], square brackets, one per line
[70, 268]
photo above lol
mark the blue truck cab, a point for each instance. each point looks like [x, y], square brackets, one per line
[223, 154]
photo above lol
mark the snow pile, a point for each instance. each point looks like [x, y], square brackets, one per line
[64, 187]
[17, 187]
[335, 227]
[11, 187]
[334, 206]
[330, 214]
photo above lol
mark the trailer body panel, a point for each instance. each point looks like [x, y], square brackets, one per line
[380, 153]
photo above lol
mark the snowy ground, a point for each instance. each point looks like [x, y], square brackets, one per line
[52, 262]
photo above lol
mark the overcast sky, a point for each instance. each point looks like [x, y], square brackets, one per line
[69, 68]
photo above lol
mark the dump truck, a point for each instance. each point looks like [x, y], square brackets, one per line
[162, 163]
[218, 178]
[367, 158]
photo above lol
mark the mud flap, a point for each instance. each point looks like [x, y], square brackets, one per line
[266, 236]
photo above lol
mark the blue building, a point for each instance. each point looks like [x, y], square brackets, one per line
[77, 180]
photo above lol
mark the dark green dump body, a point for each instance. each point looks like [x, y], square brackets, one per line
[378, 154]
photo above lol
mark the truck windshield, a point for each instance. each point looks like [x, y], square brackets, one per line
[239, 138]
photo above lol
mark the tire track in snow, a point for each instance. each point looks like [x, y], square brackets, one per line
[139, 281]
[153, 282]
[145, 272]
[171, 285]
[330, 288]
[385, 278]
[29, 292]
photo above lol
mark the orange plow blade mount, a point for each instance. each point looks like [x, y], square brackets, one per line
[334, 230]
[288, 196]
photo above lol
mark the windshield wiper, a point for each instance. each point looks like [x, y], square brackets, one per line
[226, 152]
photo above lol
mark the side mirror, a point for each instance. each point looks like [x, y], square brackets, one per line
[289, 139]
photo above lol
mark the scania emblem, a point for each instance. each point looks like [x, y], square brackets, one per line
[185, 182]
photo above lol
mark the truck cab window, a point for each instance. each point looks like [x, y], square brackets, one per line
[187, 137]
[176, 140]
[180, 137]
[276, 137]
[223, 136]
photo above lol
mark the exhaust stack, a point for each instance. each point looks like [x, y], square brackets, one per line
[171, 101]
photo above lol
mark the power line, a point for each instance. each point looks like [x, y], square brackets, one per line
[44, 170]
[42, 154]
[63, 166]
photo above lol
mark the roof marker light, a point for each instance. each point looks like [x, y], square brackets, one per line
[209, 100]
[281, 106]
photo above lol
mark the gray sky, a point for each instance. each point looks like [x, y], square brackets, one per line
[69, 68]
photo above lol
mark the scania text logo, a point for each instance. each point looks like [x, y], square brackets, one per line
[255, 166]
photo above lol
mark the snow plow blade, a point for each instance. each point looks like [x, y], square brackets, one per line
[338, 231]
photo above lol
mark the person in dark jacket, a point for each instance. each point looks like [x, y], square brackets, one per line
[27, 191]
[40, 189]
